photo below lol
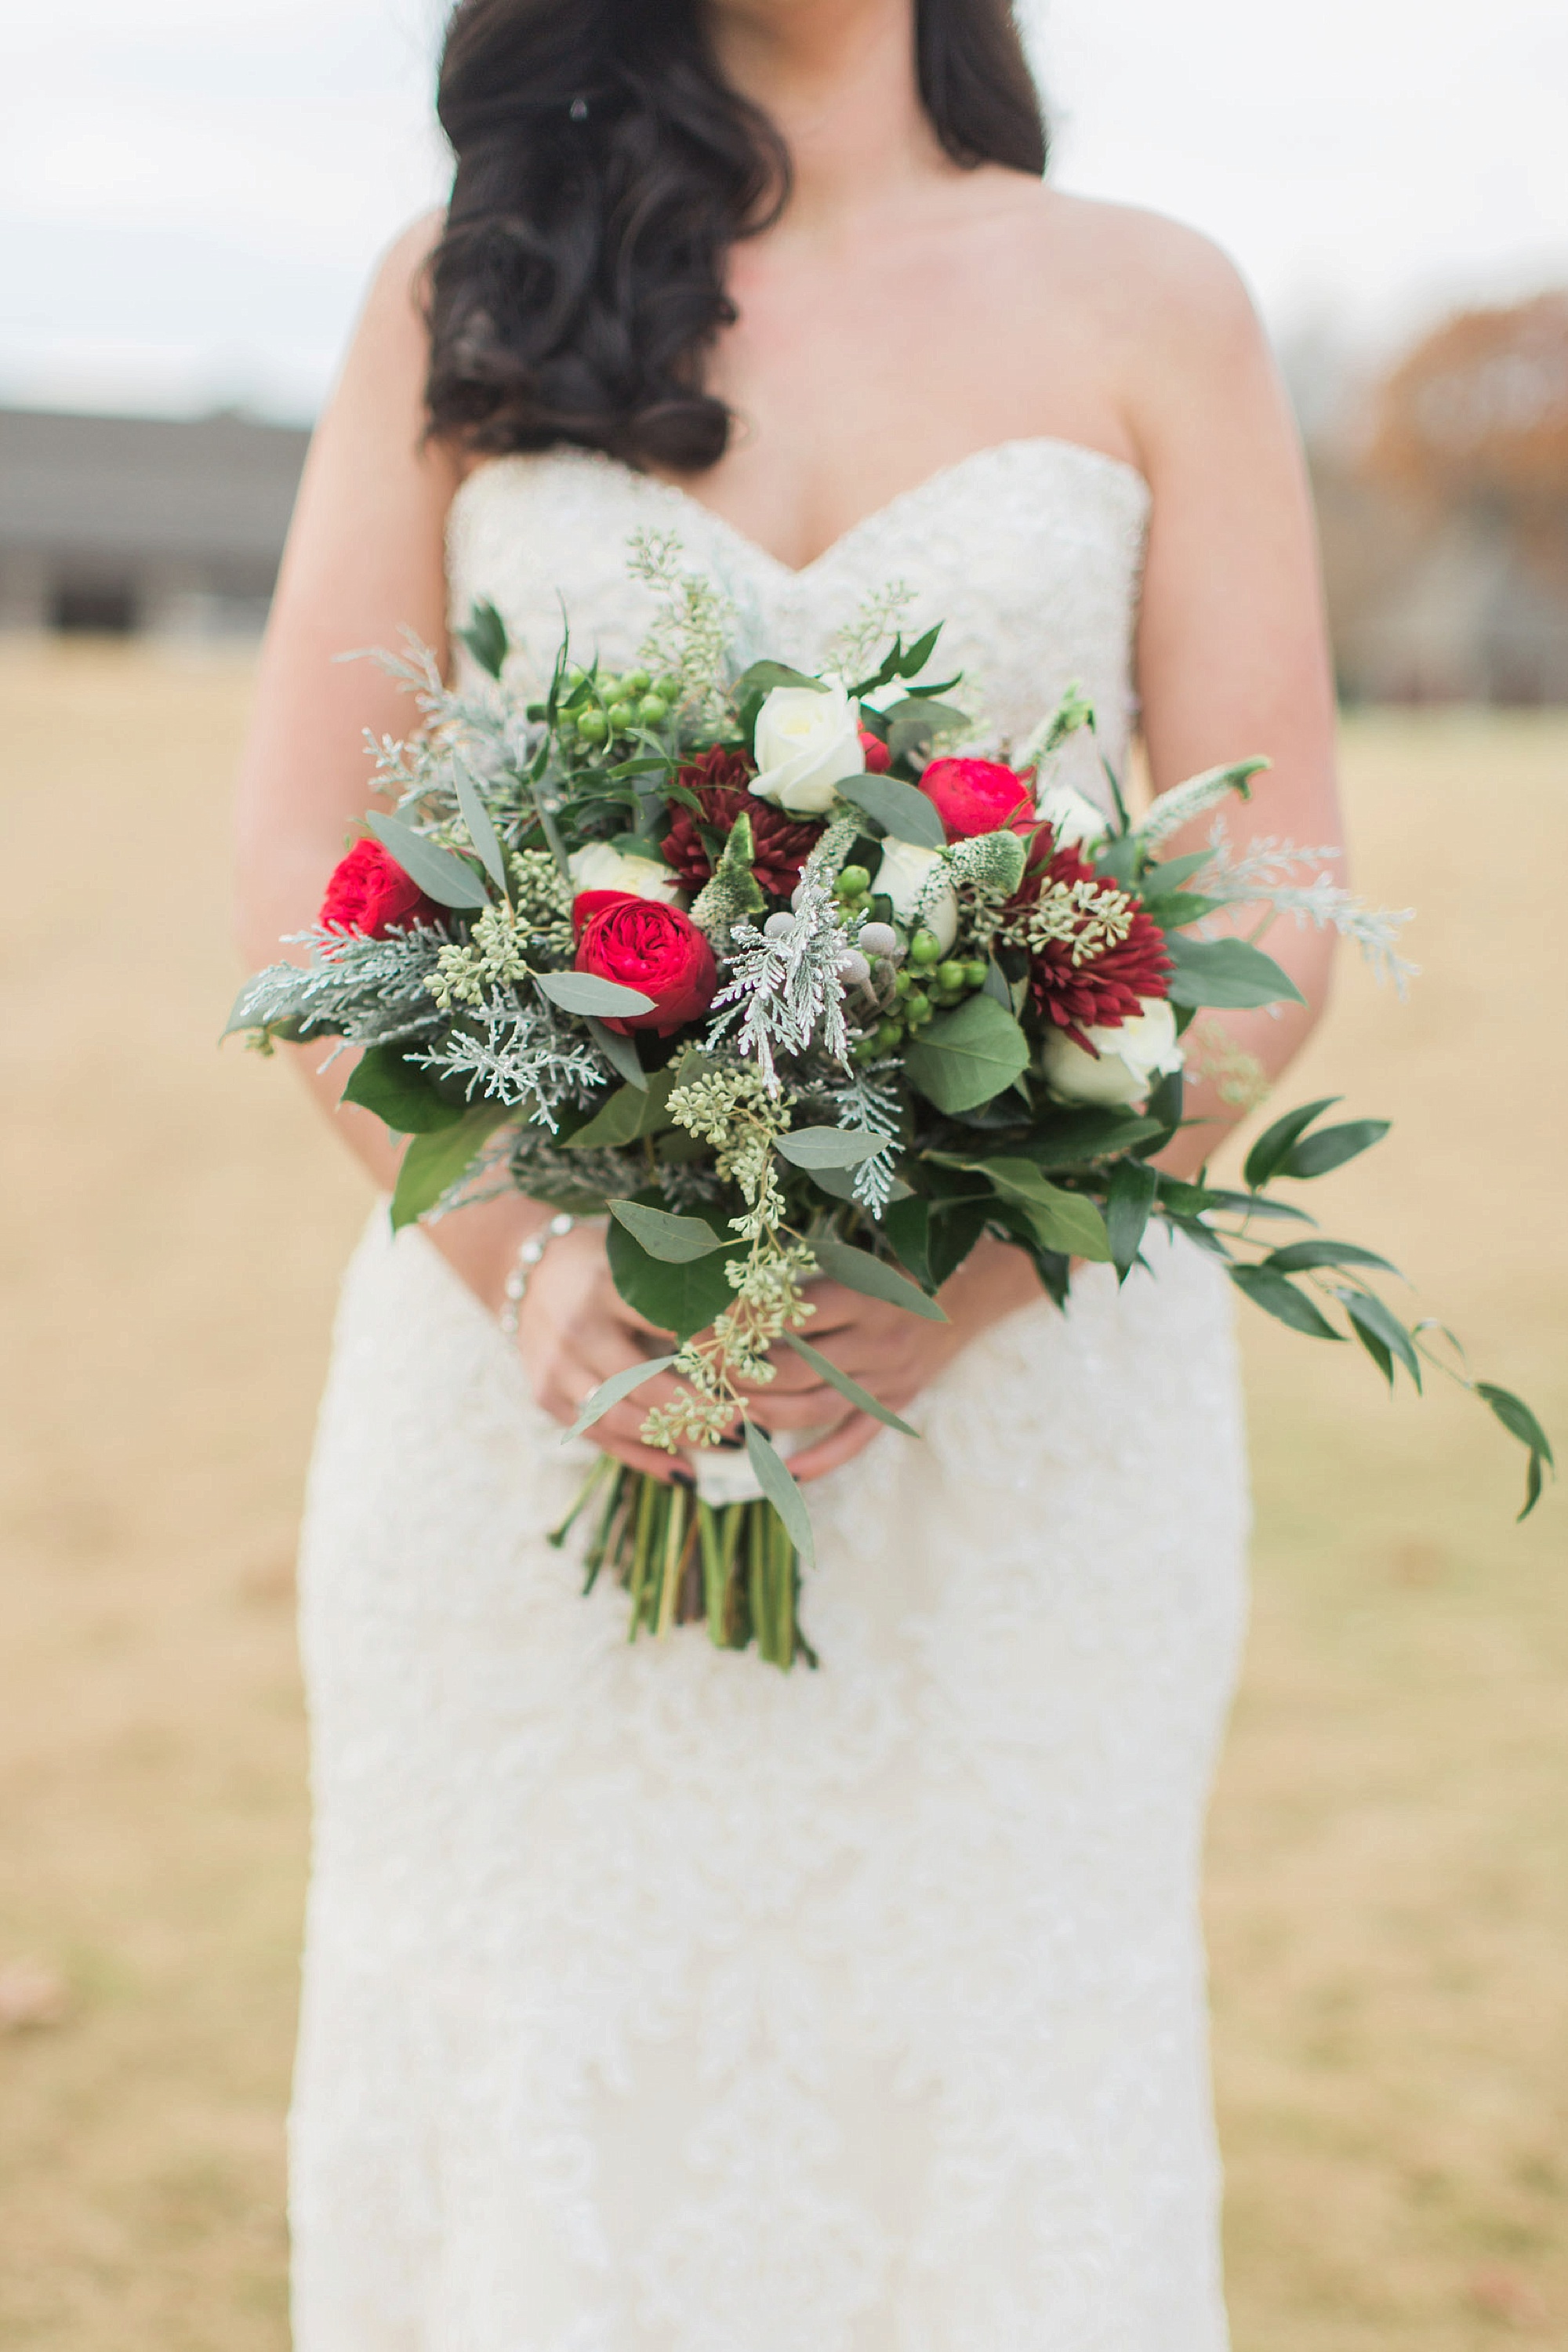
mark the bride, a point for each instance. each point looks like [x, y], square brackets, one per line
[654, 1999]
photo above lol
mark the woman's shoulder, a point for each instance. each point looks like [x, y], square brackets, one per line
[1124, 261]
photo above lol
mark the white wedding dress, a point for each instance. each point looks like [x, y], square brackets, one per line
[657, 2002]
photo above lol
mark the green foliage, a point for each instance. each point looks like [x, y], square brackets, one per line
[857, 1269]
[780, 1491]
[682, 1298]
[584, 991]
[1057, 1220]
[828, 1370]
[900, 809]
[630, 1114]
[1272, 1148]
[435, 1162]
[676, 1241]
[450, 881]
[485, 636]
[968, 1056]
[818, 1148]
[384, 1082]
[1226, 975]
[609, 1393]
[1330, 1147]
[1133, 1188]
[1279, 1296]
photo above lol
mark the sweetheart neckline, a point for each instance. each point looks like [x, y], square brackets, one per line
[677, 493]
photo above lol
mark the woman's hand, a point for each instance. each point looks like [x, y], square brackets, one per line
[890, 1352]
[575, 1329]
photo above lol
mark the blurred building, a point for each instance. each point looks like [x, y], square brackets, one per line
[125, 524]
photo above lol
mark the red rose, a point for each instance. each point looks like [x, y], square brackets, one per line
[878, 758]
[370, 893]
[642, 943]
[979, 796]
[721, 781]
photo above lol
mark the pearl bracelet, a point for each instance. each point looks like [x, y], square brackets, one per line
[528, 1258]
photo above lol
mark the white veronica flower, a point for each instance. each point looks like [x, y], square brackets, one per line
[1072, 817]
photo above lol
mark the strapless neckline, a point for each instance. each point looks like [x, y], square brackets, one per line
[932, 485]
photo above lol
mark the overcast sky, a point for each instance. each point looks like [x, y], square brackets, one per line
[192, 191]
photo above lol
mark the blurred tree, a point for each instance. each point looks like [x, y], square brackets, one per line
[1476, 419]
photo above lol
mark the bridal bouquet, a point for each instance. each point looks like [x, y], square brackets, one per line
[745, 961]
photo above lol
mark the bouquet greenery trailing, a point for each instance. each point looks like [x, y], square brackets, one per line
[746, 962]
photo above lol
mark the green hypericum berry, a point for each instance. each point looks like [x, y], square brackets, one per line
[653, 709]
[622, 716]
[636, 681]
[866, 1049]
[974, 974]
[951, 976]
[925, 948]
[903, 983]
[888, 1035]
[669, 689]
[917, 1008]
[572, 675]
[592, 726]
[853, 882]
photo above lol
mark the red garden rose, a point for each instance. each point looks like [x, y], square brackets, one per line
[370, 893]
[979, 796]
[642, 943]
[1112, 975]
[878, 758]
[721, 781]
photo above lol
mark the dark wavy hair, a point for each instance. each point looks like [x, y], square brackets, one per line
[604, 167]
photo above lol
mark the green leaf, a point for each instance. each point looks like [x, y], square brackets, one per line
[584, 991]
[450, 881]
[1166, 880]
[1517, 1420]
[1303, 1257]
[829, 1147]
[1226, 973]
[858, 1270]
[968, 1056]
[675, 1240]
[1315, 1155]
[780, 1491]
[485, 636]
[482, 832]
[763, 676]
[680, 1298]
[397, 1092]
[1079, 1138]
[828, 1370]
[1133, 1187]
[611, 1392]
[913, 724]
[838, 1184]
[898, 809]
[907, 1224]
[1381, 1356]
[631, 1113]
[1273, 1146]
[433, 1162]
[620, 1051]
[1278, 1297]
[955, 1227]
[1368, 1313]
[1255, 1204]
[1060, 1221]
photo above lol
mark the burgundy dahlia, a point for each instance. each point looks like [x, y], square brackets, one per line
[1119, 949]
[721, 780]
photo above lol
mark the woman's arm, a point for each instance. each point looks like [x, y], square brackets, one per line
[364, 563]
[1232, 655]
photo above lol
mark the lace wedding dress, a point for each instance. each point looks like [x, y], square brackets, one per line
[657, 2002]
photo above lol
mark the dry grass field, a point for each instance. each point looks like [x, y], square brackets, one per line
[1388, 1898]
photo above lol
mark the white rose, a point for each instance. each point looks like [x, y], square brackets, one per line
[1072, 817]
[1131, 1059]
[805, 743]
[597, 866]
[904, 876]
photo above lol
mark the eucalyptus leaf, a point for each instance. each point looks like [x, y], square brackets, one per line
[1226, 973]
[680, 1298]
[584, 991]
[828, 1370]
[675, 1240]
[434, 1162]
[610, 1392]
[838, 1183]
[449, 881]
[900, 809]
[829, 1147]
[632, 1112]
[482, 832]
[858, 1270]
[396, 1091]
[968, 1056]
[780, 1491]
[620, 1051]
[915, 724]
